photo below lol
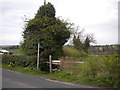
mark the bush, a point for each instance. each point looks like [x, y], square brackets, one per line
[112, 65]
[101, 65]
[107, 80]
[19, 60]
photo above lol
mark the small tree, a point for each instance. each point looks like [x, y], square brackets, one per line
[77, 43]
[89, 39]
[81, 43]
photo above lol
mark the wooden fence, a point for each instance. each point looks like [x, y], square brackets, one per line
[62, 62]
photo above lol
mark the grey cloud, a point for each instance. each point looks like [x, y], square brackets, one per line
[111, 24]
[11, 23]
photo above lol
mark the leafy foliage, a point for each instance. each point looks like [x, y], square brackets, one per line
[19, 60]
[51, 32]
[77, 43]
[82, 43]
[46, 10]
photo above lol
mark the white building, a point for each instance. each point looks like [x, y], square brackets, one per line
[4, 52]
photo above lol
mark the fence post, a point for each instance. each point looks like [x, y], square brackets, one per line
[61, 63]
[50, 63]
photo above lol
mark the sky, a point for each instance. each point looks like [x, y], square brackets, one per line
[99, 17]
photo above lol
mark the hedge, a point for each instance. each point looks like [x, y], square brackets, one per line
[19, 60]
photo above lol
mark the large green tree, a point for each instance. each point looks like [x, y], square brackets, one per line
[51, 32]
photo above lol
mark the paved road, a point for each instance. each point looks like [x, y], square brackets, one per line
[12, 79]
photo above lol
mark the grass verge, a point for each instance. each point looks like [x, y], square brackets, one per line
[61, 76]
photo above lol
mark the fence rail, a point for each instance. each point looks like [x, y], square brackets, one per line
[56, 62]
[60, 62]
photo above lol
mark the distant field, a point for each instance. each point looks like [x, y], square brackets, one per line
[15, 51]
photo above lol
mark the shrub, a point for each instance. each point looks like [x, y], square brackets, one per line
[107, 80]
[101, 65]
[19, 60]
[112, 65]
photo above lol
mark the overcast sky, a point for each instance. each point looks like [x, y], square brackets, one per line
[99, 17]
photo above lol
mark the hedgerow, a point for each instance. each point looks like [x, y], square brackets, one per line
[19, 60]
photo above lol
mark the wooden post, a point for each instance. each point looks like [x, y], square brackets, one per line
[50, 63]
[61, 63]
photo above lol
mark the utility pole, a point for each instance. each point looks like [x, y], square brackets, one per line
[44, 2]
[38, 56]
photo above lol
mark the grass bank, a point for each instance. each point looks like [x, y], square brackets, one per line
[61, 76]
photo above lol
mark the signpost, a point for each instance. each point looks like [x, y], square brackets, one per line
[39, 46]
[50, 63]
[38, 56]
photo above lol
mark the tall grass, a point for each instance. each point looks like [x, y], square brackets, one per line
[104, 71]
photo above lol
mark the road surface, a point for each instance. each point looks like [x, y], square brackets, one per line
[12, 79]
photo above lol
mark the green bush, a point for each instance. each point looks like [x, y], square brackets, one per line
[112, 64]
[101, 65]
[107, 80]
[6, 59]
[93, 66]
[19, 60]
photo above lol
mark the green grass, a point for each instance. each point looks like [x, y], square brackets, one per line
[31, 71]
[60, 76]
[15, 51]
[72, 52]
